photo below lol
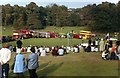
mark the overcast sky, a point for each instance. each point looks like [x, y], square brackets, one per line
[67, 3]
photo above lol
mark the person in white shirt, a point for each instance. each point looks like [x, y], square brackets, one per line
[47, 49]
[96, 45]
[36, 49]
[40, 49]
[71, 48]
[60, 51]
[75, 50]
[28, 48]
[43, 52]
[105, 55]
[5, 55]
[68, 49]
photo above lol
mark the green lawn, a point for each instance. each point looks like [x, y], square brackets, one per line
[74, 64]
[7, 31]
[49, 42]
[63, 29]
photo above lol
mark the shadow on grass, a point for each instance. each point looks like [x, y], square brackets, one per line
[42, 66]
[48, 69]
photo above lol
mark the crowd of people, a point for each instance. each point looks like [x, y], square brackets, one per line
[55, 50]
[108, 49]
[111, 51]
[19, 66]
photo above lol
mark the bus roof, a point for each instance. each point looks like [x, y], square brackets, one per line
[82, 31]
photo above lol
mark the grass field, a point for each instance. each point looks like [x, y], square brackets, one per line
[73, 64]
[64, 29]
[49, 42]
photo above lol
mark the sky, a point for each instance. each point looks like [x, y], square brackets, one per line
[67, 3]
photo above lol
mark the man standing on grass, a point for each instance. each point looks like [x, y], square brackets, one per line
[5, 55]
[19, 45]
[0, 70]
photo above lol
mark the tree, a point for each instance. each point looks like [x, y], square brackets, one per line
[118, 15]
[104, 16]
[56, 15]
[7, 14]
[35, 16]
[74, 19]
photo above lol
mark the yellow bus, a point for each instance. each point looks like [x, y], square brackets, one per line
[86, 34]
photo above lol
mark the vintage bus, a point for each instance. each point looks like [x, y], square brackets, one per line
[86, 34]
[22, 34]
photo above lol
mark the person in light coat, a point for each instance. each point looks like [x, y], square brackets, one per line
[19, 66]
[102, 45]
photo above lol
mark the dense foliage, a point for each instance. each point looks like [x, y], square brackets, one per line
[103, 17]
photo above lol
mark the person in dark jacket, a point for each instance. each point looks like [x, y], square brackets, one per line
[110, 43]
[89, 41]
[54, 51]
[14, 48]
[19, 45]
[88, 49]
[107, 45]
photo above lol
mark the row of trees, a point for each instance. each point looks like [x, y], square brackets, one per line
[102, 17]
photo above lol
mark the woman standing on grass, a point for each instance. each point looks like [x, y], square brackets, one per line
[32, 63]
[19, 66]
[102, 45]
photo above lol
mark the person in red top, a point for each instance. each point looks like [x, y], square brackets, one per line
[22, 49]
[113, 55]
